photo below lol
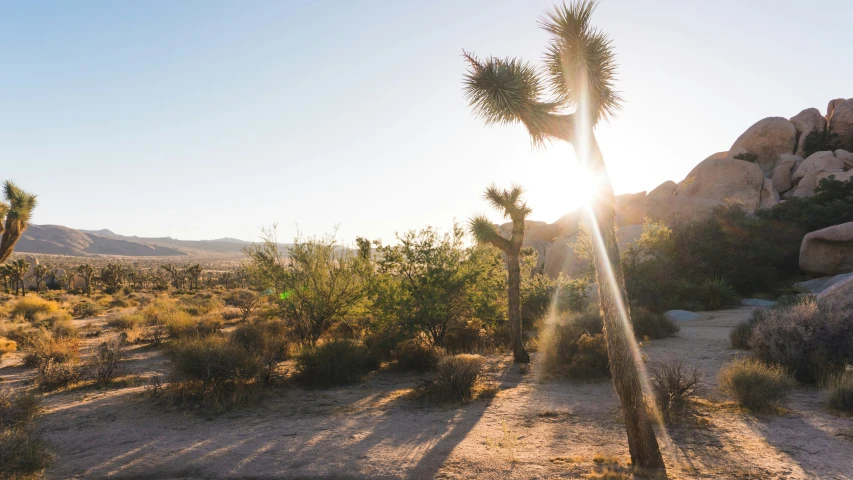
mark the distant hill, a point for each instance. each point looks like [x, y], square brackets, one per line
[59, 240]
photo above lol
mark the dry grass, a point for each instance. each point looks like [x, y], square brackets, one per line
[755, 385]
[456, 376]
[31, 305]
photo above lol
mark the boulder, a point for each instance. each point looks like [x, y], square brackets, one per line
[681, 315]
[627, 235]
[828, 251]
[817, 162]
[805, 187]
[568, 223]
[781, 175]
[724, 180]
[665, 189]
[845, 157]
[767, 138]
[535, 231]
[830, 108]
[838, 174]
[673, 210]
[842, 123]
[757, 302]
[839, 293]
[562, 258]
[630, 208]
[769, 195]
[819, 285]
[806, 122]
[78, 282]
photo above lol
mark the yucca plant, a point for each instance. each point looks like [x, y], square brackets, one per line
[484, 231]
[18, 270]
[580, 69]
[15, 214]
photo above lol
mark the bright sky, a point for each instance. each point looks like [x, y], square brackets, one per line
[203, 119]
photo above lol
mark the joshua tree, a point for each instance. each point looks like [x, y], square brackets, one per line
[15, 215]
[484, 231]
[88, 273]
[39, 272]
[194, 272]
[112, 276]
[580, 68]
[6, 276]
[18, 270]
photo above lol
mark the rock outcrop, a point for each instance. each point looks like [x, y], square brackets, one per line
[828, 251]
[724, 180]
[665, 189]
[781, 175]
[841, 122]
[767, 138]
[806, 122]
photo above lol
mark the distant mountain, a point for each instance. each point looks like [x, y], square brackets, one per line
[59, 240]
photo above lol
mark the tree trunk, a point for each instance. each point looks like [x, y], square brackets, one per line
[642, 442]
[518, 352]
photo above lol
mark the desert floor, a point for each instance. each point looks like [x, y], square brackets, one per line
[532, 428]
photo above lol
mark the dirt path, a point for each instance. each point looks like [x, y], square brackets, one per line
[530, 429]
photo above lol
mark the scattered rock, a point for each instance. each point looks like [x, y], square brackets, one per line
[828, 251]
[681, 315]
[767, 138]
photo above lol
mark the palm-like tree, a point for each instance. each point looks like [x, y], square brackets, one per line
[87, 272]
[580, 69]
[18, 270]
[484, 231]
[15, 214]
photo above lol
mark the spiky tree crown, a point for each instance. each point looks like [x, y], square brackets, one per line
[578, 58]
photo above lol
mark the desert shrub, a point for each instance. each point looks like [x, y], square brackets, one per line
[43, 346]
[200, 304]
[124, 321]
[810, 339]
[103, 366]
[673, 385]
[820, 141]
[22, 453]
[456, 376]
[415, 355]
[31, 305]
[741, 335]
[86, 308]
[48, 319]
[51, 374]
[7, 346]
[754, 384]
[747, 157]
[17, 409]
[334, 363]
[267, 340]
[121, 301]
[575, 347]
[840, 392]
[182, 325]
[213, 366]
[716, 293]
[465, 339]
[648, 324]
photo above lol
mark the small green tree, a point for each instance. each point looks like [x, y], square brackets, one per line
[87, 273]
[113, 277]
[40, 271]
[18, 271]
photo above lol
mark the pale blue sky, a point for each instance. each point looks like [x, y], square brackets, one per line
[208, 119]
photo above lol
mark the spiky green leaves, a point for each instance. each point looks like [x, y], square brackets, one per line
[580, 62]
[484, 231]
[508, 201]
[20, 203]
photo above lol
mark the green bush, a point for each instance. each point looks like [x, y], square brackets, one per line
[840, 392]
[820, 141]
[575, 347]
[456, 376]
[31, 305]
[754, 384]
[126, 321]
[651, 325]
[267, 340]
[747, 157]
[810, 339]
[415, 355]
[22, 453]
[716, 293]
[334, 363]
[212, 367]
[86, 308]
[741, 335]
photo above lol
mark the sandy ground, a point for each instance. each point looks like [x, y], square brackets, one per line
[532, 428]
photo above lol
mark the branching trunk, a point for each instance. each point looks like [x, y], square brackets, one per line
[642, 442]
[518, 352]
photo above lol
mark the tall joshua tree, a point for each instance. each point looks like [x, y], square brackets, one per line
[580, 68]
[484, 231]
[15, 215]
[18, 269]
